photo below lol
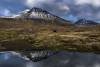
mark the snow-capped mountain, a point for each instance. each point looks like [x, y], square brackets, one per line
[37, 13]
[84, 22]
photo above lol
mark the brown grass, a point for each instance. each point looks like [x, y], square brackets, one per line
[35, 34]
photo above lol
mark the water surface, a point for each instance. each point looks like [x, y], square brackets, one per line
[62, 59]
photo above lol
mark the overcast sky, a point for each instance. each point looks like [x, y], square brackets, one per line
[68, 9]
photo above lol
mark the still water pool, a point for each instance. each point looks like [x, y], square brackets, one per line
[62, 59]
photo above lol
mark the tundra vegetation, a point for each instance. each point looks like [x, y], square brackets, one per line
[28, 34]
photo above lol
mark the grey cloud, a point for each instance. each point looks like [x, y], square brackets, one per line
[80, 11]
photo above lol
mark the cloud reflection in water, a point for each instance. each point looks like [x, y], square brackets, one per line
[62, 59]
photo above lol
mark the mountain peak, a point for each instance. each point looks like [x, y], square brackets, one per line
[37, 13]
[35, 9]
[85, 22]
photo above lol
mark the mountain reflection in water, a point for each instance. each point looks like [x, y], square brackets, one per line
[62, 59]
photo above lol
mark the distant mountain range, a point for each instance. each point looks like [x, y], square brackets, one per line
[84, 22]
[38, 13]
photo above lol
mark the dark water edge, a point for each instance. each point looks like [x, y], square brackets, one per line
[62, 59]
